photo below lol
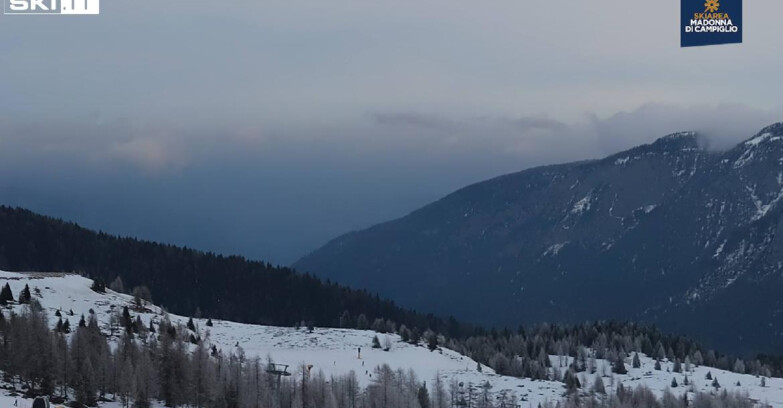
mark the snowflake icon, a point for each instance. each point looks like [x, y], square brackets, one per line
[711, 6]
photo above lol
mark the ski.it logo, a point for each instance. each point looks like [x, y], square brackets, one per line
[62, 7]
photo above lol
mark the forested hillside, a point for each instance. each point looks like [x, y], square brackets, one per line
[187, 281]
[127, 352]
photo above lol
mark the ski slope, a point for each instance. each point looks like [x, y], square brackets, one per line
[335, 351]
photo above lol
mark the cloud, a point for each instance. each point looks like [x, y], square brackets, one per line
[278, 192]
[149, 154]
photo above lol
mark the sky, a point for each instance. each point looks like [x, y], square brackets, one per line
[266, 128]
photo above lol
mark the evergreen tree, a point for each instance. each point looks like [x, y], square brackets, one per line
[376, 344]
[619, 366]
[25, 296]
[432, 341]
[415, 336]
[127, 320]
[674, 382]
[405, 334]
[6, 295]
[636, 362]
[598, 385]
[209, 322]
[423, 396]
[98, 285]
[571, 381]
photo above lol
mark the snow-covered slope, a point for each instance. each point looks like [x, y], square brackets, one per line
[334, 351]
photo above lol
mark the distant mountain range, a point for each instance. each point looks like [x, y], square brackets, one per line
[668, 232]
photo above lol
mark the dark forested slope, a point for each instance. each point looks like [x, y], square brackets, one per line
[184, 280]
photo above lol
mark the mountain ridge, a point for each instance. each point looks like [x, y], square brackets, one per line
[641, 224]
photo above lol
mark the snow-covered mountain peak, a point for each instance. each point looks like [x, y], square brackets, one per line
[772, 133]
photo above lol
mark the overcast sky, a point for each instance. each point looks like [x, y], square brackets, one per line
[266, 128]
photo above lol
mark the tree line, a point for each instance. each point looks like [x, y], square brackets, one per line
[171, 363]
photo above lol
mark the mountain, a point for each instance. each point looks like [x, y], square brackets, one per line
[669, 233]
[191, 282]
[241, 348]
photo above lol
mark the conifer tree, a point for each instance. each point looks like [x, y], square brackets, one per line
[598, 385]
[423, 396]
[415, 336]
[25, 296]
[636, 362]
[432, 341]
[571, 381]
[619, 366]
[98, 286]
[6, 295]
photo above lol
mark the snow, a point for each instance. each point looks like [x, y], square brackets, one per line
[553, 250]
[751, 144]
[583, 204]
[7, 401]
[622, 161]
[719, 250]
[660, 381]
[746, 157]
[758, 139]
[761, 208]
[334, 351]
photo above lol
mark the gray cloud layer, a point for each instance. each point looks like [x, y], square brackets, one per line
[281, 195]
[266, 128]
